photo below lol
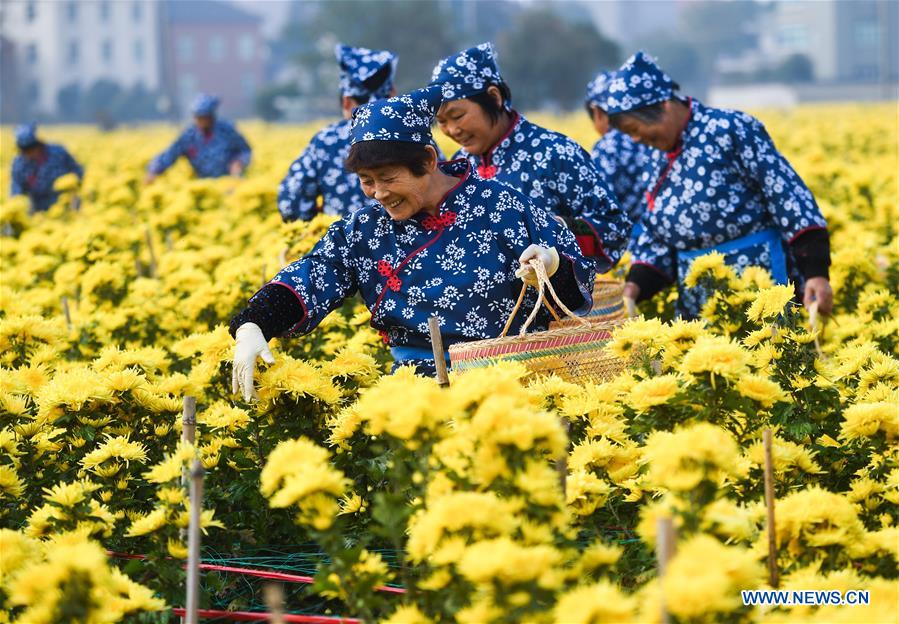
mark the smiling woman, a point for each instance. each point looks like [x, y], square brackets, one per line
[397, 176]
[440, 242]
[551, 169]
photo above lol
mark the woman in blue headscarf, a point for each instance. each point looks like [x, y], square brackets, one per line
[552, 170]
[436, 241]
[715, 182]
[618, 157]
[213, 146]
[37, 166]
[365, 76]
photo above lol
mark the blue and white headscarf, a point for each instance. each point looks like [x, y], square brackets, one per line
[26, 135]
[204, 105]
[407, 118]
[639, 82]
[468, 73]
[358, 65]
[597, 89]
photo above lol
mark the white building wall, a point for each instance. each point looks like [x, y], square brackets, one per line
[53, 31]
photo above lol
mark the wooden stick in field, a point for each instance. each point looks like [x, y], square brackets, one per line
[274, 601]
[66, 312]
[665, 548]
[437, 347]
[193, 542]
[189, 420]
[188, 435]
[149, 238]
[773, 576]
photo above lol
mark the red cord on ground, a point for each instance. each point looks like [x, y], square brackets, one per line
[259, 616]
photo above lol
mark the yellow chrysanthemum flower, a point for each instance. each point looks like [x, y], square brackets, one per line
[717, 355]
[705, 577]
[760, 389]
[710, 265]
[652, 392]
[681, 460]
[863, 420]
[770, 303]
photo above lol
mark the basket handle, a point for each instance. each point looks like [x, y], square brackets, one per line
[542, 282]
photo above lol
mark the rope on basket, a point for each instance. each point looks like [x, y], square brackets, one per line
[542, 281]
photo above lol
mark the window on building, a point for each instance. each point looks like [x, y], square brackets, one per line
[137, 11]
[72, 11]
[246, 47]
[104, 11]
[248, 85]
[185, 48]
[106, 50]
[30, 11]
[31, 53]
[74, 53]
[34, 91]
[794, 36]
[867, 34]
[139, 51]
[216, 48]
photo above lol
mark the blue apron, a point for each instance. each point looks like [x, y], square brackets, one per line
[771, 237]
[764, 248]
[416, 355]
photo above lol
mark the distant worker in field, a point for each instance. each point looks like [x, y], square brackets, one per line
[550, 169]
[37, 167]
[365, 76]
[213, 146]
[618, 157]
[714, 182]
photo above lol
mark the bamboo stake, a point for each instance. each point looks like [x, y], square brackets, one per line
[264, 274]
[562, 462]
[193, 542]
[169, 241]
[773, 576]
[149, 238]
[188, 435]
[189, 420]
[66, 312]
[274, 602]
[437, 347]
[665, 549]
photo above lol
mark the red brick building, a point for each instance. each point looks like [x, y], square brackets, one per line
[212, 47]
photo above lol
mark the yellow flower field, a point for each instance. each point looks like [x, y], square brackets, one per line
[110, 315]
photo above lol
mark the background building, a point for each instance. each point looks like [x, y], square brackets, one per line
[846, 41]
[213, 47]
[63, 49]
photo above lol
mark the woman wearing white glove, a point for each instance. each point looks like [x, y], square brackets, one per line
[439, 242]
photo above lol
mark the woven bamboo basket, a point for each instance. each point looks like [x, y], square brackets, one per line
[608, 305]
[575, 353]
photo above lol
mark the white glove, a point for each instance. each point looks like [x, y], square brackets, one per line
[249, 344]
[547, 255]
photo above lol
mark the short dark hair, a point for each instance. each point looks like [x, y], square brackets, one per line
[489, 105]
[647, 114]
[371, 154]
[651, 114]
